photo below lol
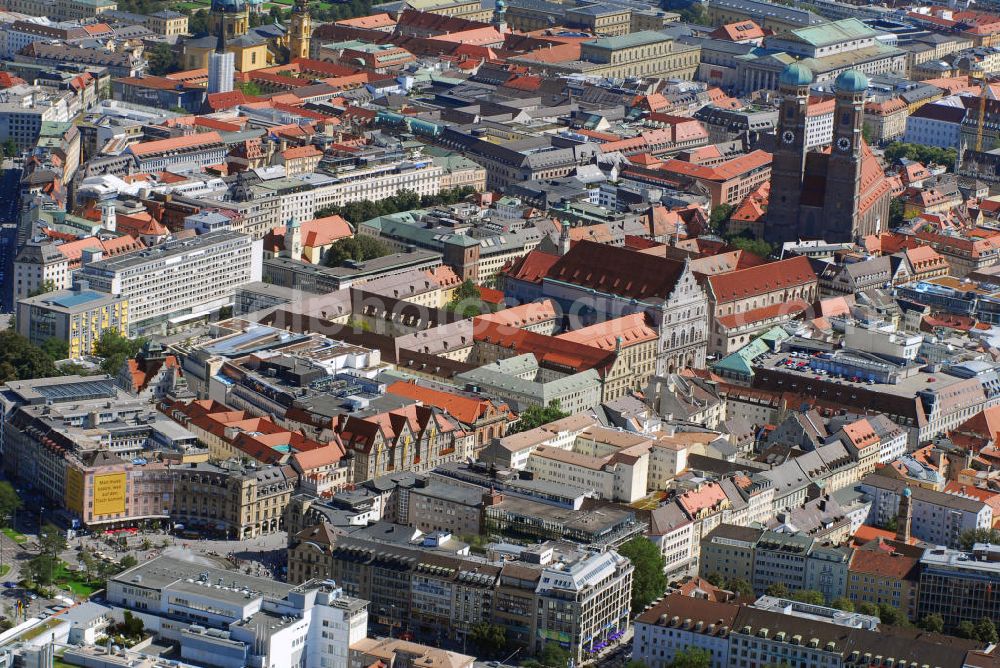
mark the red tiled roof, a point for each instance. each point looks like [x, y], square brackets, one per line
[532, 267]
[792, 308]
[318, 457]
[306, 151]
[547, 349]
[888, 565]
[762, 279]
[618, 271]
[861, 434]
[725, 171]
[187, 141]
[629, 330]
[523, 315]
[466, 410]
[741, 30]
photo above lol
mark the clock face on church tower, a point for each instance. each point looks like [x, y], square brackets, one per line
[788, 136]
[844, 144]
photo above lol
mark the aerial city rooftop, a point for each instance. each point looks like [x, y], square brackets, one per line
[468, 334]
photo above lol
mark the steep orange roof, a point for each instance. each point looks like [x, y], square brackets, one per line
[708, 497]
[546, 349]
[629, 330]
[319, 457]
[465, 409]
[762, 279]
[725, 171]
[173, 143]
[738, 31]
[306, 151]
[523, 315]
[884, 564]
[370, 22]
[861, 434]
[533, 267]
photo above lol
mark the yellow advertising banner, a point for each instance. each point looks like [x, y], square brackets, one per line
[109, 494]
[74, 491]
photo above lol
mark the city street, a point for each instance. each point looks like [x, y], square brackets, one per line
[263, 556]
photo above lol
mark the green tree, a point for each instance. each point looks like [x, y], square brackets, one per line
[56, 349]
[536, 416]
[553, 655]
[251, 88]
[46, 286]
[693, 12]
[866, 608]
[488, 638]
[88, 561]
[648, 580]
[198, 22]
[162, 59]
[896, 217]
[969, 538]
[842, 603]
[128, 561]
[42, 568]
[986, 631]
[74, 369]
[131, 627]
[51, 540]
[692, 657]
[10, 148]
[10, 502]
[867, 133]
[810, 596]
[720, 215]
[921, 153]
[965, 629]
[750, 245]
[358, 248]
[740, 587]
[115, 349]
[716, 580]
[933, 622]
[467, 290]
[20, 360]
[467, 301]
[778, 589]
[892, 615]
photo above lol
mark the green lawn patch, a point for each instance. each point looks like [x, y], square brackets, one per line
[76, 581]
[18, 538]
[40, 629]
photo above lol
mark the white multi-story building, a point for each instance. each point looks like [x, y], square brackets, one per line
[23, 109]
[882, 341]
[679, 623]
[226, 619]
[179, 281]
[221, 67]
[380, 182]
[39, 267]
[937, 518]
[612, 480]
[819, 123]
[892, 438]
[937, 124]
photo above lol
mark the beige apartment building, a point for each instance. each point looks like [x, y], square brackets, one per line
[242, 503]
[640, 54]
